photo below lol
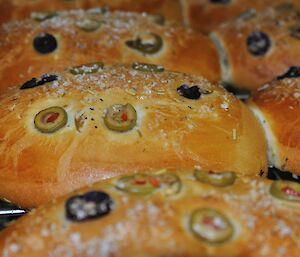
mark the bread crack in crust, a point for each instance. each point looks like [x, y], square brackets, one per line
[95, 121]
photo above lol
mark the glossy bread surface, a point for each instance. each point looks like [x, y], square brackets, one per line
[180, 121]
[277, 107]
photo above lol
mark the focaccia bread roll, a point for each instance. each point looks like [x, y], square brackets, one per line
[163, 215]
[22, 9]
[277, 107]
[31, 47]
[257, 48]
[63, 131]
[208, 15]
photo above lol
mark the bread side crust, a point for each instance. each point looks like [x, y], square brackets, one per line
[273, 145]
[223, 58]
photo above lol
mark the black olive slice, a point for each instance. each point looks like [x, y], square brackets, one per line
[29, 84]
[51, 119]
[44, 43]
[193, 92]
[248, 15]
[120, 117]
[221, 179]
[46, 78]
[146, 43]
[220, 1]
[143, 184]
[88, 25]
[293, 72]
[211, 226]
[295, 31]
[258, 43]
[41, 16]
[87, 68]
[38, 82]
[284, 7]
[158, 19]
[286, 190]
[89, 206]
[147, 67]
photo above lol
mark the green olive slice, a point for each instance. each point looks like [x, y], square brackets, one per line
[146, 67]
[98, 10]
[286, 190]
[140, 184]
[88, 25]
[211, 226]
[170, 184]
[158, 18]
[87, 68]
[295, 31]
[41, 16]
[120, 117]
[51, 119]
[284, 7]
[146, 43]
[166, 183]
[221, 179]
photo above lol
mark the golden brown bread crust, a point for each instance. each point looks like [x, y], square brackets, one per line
[206, 15]
[182, 49]
[215, 132]
[22, 9]
[277, 106]
[250, 71]
[160, 225]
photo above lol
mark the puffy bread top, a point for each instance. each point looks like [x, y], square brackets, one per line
[32, 47]
[63, 131]
[277, 105]
[209, 15]
[258, 47]
[20, 9]
[247, 218]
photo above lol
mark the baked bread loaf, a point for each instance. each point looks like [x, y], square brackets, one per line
[208, 15]
[22, 9]
[32, 47]
[201, 15]
[276, 105]
[62, 131]
[163, 215]
[257, 48]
